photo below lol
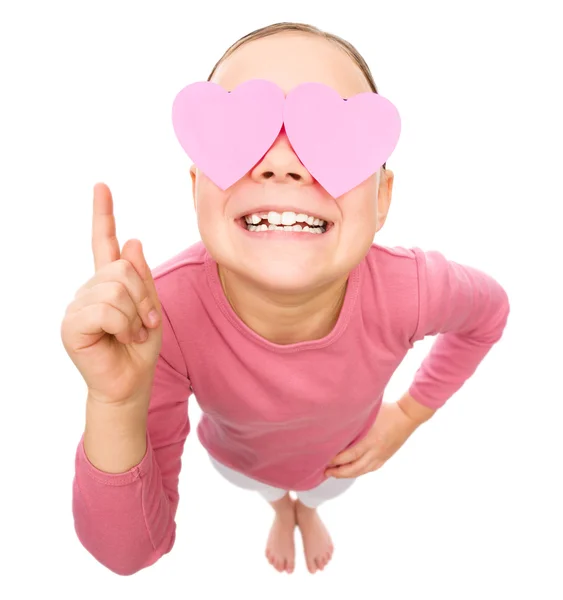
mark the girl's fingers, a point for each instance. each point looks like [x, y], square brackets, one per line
[133, 252]
[105, 246]
[349, 455]
[354, 469]
[111, 298]
[123, 272]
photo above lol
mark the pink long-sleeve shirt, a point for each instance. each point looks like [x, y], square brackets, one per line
[280, 413]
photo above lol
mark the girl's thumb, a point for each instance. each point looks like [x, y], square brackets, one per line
[132, 252]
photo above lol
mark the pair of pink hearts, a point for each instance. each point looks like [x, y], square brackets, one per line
[340, 142]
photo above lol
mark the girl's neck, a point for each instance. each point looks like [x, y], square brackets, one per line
[284, 319]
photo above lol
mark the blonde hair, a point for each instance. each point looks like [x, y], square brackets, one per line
[287, 26]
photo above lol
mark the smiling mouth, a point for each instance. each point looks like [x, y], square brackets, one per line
[285, 221]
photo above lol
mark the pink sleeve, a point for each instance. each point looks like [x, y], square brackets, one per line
[127, 520]
[468, 310]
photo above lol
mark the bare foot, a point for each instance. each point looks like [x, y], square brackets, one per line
[280, 549]
[317, 544]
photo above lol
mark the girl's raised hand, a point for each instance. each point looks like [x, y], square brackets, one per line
[107, 329]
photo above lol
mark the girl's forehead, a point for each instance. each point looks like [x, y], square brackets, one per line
[289, 60]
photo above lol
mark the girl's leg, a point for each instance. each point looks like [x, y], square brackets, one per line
[270, 493]
[280, 548]
[327, 490]
[317, 543]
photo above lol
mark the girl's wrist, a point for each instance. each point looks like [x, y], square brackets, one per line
[415, 411]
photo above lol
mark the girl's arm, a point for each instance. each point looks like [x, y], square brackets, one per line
[126, 520]
[468, 311]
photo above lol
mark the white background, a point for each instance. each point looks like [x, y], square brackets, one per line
[470, 507]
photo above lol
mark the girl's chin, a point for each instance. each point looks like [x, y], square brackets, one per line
[274, 276]
[284, 281]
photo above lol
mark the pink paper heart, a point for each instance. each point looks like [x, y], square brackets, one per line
[226, 133]
[340, 142]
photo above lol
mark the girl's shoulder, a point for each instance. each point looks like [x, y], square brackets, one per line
[193, 256]
[398, 251]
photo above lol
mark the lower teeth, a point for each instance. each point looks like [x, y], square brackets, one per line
[297, 228]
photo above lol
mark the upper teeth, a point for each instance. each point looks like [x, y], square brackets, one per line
[284, 218]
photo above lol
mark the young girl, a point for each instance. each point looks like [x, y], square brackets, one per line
[287, 338]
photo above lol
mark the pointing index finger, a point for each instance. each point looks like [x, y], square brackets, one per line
[104, 239]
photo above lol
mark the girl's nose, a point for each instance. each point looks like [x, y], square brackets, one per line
[280, 164]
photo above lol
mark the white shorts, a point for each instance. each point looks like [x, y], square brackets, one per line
[328, 489]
